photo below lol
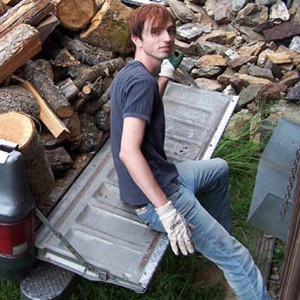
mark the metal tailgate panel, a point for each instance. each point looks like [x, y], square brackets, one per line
[195, 121]
[105, 231]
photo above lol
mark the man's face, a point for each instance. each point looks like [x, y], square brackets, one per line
[157, 41]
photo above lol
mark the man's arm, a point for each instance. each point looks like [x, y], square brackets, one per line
[138, 168]
[135, 162]
[162, 84]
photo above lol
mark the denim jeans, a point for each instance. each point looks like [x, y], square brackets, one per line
[203, 199]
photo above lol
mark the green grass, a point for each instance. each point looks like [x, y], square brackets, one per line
[191, 277]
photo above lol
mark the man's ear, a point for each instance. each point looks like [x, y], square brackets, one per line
[136, 40]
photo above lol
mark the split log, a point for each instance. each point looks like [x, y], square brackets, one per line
[82, 51]
[27, 11]
[59, 159]
[19, 128]
[92, 136]
[52, 122]
[16, 98]
[17, 47]
[104, 69]
[75, 14]
[46, 26]
[109, 29]
[48, 90]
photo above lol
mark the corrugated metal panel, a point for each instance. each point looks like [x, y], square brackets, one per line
[272, 179]
[105, 231]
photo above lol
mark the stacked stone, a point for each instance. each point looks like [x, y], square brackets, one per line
[238, 47]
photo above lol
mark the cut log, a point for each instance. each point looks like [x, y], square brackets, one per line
[59, 159]
[76, 14]
[64, 59]
[27, 11]
[68, 89]
[45, 67]
[19, 128]
[17, 47]
[96, 105]
[103, 118]
[52, 122]
[92, 136]
[48, 90]
[90, 74]
[80, 101]
[109, 29]
[16, 98]
[46, 26]
[74, 125]
[83, 51]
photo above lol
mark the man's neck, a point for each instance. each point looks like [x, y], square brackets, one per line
[150, 63]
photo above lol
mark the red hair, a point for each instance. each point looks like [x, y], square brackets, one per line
[157, 14]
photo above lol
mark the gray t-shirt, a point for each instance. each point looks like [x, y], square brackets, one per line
[135, 93]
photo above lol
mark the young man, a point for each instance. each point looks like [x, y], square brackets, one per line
[190, 200]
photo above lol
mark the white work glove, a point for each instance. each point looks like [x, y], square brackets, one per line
[177, 229]
[167, 69]
[169, 65]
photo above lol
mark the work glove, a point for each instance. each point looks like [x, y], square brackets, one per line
[177, 229]
[169, 65]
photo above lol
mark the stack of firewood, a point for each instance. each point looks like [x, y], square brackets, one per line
[54, 86]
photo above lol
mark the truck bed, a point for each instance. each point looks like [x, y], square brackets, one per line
[107, 233]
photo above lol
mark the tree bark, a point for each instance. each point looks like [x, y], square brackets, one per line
[48, 90]
[104, 69]
[19, 128]
[27, 11]
[59, 159]
[76, 14]
[83, 51]
[17, 47]
[16, 98]
[92, 136]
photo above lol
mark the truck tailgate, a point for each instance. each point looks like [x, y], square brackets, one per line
[100, 227]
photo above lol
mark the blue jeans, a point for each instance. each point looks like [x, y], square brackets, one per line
[203, 199]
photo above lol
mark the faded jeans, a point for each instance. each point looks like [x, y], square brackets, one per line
[209, 215]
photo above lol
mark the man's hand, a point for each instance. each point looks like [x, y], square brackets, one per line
[169, 65]
[177, 229]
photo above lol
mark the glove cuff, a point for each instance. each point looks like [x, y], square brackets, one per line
[167, 69]
[164, 210]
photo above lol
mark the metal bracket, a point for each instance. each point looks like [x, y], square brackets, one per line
[102, 274]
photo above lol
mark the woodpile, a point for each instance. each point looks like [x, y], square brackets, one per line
[58, 59]
[53, 81]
